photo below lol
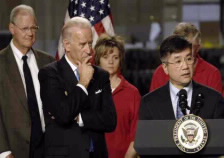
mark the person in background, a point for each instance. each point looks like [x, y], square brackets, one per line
[109, 55]
[205, 73]
[77, 99]
[21, 116]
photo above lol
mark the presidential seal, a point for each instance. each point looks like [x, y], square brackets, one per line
[190, 134]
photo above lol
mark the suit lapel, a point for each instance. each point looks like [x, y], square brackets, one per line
[39, 62]
[67, 73]
[15, 77]
[194, 95]
[166, 107]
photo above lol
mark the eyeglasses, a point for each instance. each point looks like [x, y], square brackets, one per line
[33, 29]
[178, 63]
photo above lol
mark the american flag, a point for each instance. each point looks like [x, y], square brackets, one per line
[96, 11]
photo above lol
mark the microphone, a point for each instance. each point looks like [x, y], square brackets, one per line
[183, 101]
[198, 103]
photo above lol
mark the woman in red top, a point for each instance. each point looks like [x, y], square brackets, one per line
[110, 56]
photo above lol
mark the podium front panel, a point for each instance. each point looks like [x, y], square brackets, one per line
[155, 137]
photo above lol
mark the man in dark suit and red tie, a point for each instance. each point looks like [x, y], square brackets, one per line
[77, 99]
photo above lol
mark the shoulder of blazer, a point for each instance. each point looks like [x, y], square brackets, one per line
[99, 72]
[53, 66]
[6, 56]
[62, 68]
[162, 91]
[39, 54]
[42, 57]
[48, 70]
[162, 94]
[205, 90]
[5, 51]
[42, 53]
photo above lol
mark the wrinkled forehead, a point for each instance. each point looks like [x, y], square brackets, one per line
[78, 33]
[26, 18]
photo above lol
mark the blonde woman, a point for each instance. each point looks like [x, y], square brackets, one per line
[110, 56]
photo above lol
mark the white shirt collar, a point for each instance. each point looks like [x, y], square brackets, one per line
[174, 90]
[73, 66]
[18, 53]
[174, 97]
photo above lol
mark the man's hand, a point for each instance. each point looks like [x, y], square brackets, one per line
[131, 153]
[86, 71]
[10, 156]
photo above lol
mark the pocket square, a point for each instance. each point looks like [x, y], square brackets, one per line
[98, 91]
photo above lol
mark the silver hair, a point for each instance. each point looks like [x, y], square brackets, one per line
[23, 10]
[78, 22]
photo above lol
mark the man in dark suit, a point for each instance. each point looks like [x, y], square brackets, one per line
[77, 99]
[178, 62]
[16, 121]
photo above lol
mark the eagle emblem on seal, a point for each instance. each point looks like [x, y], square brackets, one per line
[190, 132]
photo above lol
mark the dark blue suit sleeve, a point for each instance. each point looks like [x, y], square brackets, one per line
[63, 105]
[101, 116]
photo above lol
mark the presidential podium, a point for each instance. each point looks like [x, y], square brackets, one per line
[155, 138]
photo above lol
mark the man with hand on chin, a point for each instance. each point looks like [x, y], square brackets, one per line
[77, 99]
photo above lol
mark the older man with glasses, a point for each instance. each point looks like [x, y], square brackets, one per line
[27, 29]
[21, 116]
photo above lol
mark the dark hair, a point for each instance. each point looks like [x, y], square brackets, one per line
[173, 44]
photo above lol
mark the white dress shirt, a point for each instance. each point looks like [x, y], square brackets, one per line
[74, 67]
[174, 96]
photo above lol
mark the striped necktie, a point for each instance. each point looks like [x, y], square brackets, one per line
[77, 74]
[179, 112]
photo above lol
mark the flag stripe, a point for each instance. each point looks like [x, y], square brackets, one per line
[95, 36]
[107, 23]
[99, 28]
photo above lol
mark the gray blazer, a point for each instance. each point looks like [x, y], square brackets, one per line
[15, 122]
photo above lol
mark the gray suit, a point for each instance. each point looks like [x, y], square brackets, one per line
[15, 121]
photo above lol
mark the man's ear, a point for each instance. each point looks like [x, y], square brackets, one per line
[11, 28]
[165, 69]
[67, 45]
